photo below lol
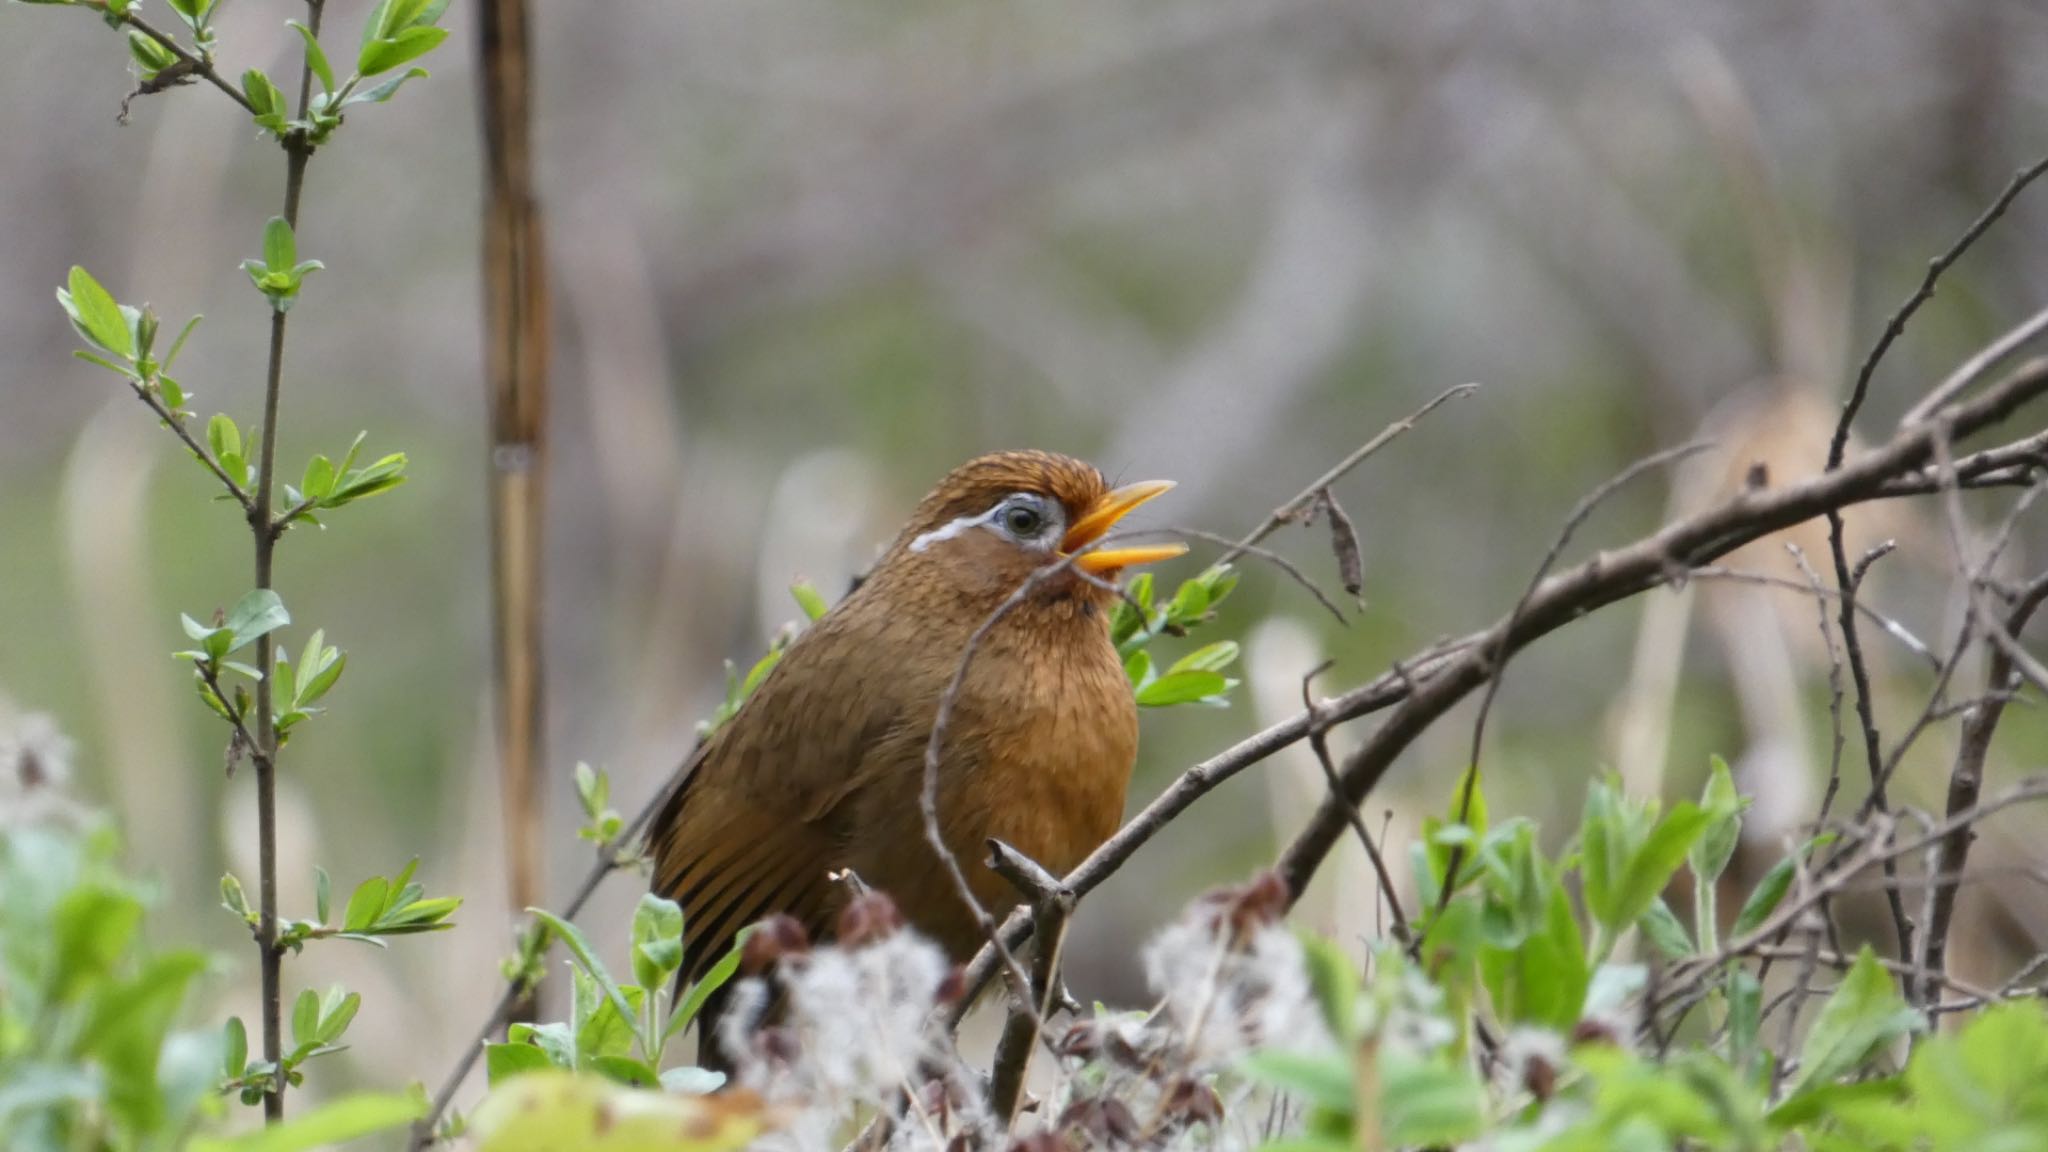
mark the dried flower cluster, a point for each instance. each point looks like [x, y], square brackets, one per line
[837, 1034]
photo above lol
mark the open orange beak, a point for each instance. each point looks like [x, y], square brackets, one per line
[1099, 519]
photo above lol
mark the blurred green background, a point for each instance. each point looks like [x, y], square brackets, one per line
[807, 257]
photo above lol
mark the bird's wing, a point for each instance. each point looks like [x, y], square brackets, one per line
[761, 818]
[730, 863]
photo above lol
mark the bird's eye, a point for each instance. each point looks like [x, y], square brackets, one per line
[1022, 521]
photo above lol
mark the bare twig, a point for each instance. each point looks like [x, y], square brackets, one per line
[1318, 742]
[1897, 324]
[1976, 366]
[1836, 737]
[1822, 594]
[1240, 548]
[1293, 507]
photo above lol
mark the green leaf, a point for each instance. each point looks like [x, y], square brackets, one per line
[322, 892]
[192, 12]
[716, 978]
[1209, 658]
[1652, 865]
[1717, 845]
[1426, 1105]
[315, 57]
[382, 55]
[657, 940]
[626, 1070]
[504, 1061]
[337, 1011]
[366, 904]
[1335, 981]
[1864, 1012]
[1182, 688]
[94, 926]
[150, 56]
[386, 90]
[280, 247]
[593, 788]
[349, 1118]
[232, 897]
[126, 1034]
[1770, 891]
[96, 315]
[258, 613]
[809, 600]
[171, 357]
[1661, 925]
[1325, 1080]
[690, 1081]
[1745, 996]
[222, 437]
[318, 480]
[234, 1048]
[267, 100]
[1189, 602]
[1138, 668]
[579, 947]
[306, 1018]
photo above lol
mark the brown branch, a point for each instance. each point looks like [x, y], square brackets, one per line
[263, 528]
[1965, 783]
[1051, 903]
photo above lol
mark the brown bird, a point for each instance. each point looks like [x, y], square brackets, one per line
[823, 766]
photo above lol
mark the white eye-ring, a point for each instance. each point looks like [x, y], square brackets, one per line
[1024, 517]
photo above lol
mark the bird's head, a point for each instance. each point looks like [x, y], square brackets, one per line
[996, 518]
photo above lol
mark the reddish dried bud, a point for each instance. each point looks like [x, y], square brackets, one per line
[1041, 1141]
[1101, 1121]
[1192, 1102]
[1242, 910]
[1539, 1076]
[1592, 1031]
[953, 987]
[1083, 1041]
[777, 1045]
[867, 918]
[773, 939]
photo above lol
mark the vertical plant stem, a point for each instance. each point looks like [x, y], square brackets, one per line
[265, 529]
[515, 370]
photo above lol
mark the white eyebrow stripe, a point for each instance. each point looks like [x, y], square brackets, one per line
[957, 527]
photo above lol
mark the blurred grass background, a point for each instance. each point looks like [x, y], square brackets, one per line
[808, 257]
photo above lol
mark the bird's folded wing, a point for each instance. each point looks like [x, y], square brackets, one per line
[730, 865]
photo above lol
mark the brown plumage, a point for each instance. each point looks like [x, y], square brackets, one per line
[822, 768]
